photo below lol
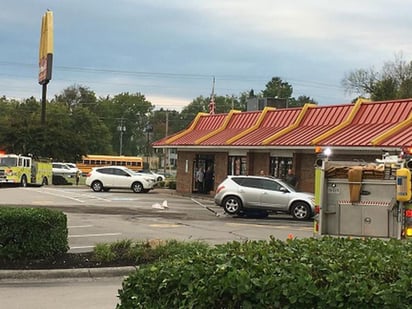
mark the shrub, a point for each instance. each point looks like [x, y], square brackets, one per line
[172, 184]
[104, 253]
[32, 233]
[307, 273]
[161, 184]
[144, 252]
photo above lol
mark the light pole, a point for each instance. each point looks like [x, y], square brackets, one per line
[148, 129]
[121, 128]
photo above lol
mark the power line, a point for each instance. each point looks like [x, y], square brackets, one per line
[168, 75]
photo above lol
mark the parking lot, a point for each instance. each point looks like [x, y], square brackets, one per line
[110, 216]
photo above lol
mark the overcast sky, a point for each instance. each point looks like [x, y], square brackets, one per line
[170, 50]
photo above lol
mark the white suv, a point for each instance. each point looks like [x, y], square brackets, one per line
[118, 177]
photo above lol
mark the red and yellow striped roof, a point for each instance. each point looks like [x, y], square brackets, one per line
[363, 124]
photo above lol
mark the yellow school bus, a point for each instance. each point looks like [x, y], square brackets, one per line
[90, 161]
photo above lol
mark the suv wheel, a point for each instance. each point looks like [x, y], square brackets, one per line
[137, 187]
[97, 186]
[301, 211]
[232, 205]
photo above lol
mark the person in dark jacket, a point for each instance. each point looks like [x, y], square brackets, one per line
[291, 179]
[208, 180]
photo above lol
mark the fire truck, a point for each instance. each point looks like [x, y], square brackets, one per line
[359, 199]
[24, 170]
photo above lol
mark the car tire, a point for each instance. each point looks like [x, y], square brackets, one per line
[232, 205]
[301, 211]
[159, 178]
[97, 186]
[23, 181]
[137, 187]
[45, 181]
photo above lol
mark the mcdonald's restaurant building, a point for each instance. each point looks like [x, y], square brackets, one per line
[277, 139]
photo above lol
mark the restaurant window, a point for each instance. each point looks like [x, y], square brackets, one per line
[279, 166]
[237, 165]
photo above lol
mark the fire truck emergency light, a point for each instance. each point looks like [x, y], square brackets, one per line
[408, 220]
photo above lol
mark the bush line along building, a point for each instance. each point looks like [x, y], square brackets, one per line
[275, 140]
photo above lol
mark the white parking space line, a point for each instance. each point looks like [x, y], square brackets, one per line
[281, 227]
[94, 235]
[72, 195]
[165, 225]
[81, 247]
[125, 199]
[79, 226]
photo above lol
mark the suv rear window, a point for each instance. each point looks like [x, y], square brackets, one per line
[105, 170]
[265, 184]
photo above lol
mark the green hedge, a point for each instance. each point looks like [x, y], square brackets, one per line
[32, 233]
[307, 273]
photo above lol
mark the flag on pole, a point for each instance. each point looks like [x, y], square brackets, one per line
[212, 105]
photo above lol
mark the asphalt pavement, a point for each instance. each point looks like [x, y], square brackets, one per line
[92, 273]
[89, 288]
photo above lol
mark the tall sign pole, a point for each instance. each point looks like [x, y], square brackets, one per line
[45, 58]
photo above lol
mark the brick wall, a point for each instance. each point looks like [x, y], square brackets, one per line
[303, 167]
[221, 161]
[305, 171]
[260, 161]
[184, 180]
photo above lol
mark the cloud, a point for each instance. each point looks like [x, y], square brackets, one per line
[172, 49]
[168, 103]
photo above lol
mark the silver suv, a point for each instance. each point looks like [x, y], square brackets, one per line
[262, 195]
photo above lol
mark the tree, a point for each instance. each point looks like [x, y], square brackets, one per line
[223, 104]
[394, 81]
[22, 127]
[189, 112]
[127, 117]
[93, 136]
[66, 136]
[162, 118]
[75, 95]
[300, 101]
[276, 88]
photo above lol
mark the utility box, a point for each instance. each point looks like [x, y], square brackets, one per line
[374, 214]
[357, 200]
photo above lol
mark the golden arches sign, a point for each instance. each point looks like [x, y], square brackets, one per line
[46, 48]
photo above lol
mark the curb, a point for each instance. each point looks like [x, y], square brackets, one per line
[66, 273]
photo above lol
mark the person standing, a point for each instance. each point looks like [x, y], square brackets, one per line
[291, 178]
[199, 180]
[78, 174]
[208, 180]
